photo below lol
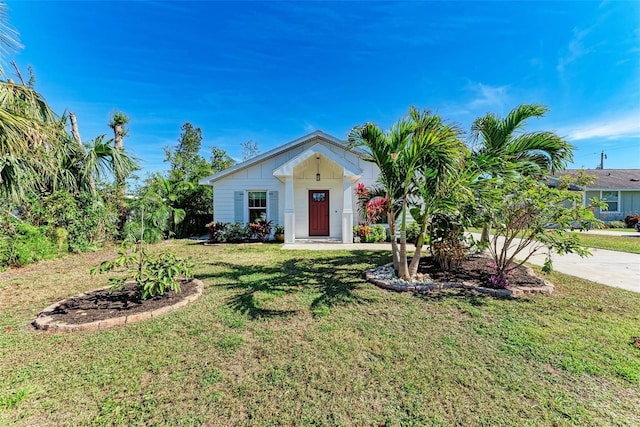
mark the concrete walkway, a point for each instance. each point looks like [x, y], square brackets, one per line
[611, 268]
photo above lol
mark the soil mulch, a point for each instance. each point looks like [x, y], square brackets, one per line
[477, 270]
[102, 305]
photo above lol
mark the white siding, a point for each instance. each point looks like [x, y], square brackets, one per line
[260, 177]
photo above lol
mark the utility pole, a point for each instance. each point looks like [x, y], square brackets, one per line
[602, 157]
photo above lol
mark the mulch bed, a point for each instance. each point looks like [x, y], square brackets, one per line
[476, 270]
[474, 275]
[101, 304]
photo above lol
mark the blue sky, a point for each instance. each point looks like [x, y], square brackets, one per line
[274, 71]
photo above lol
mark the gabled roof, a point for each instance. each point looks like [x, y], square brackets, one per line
[281, 149]
[610, 179]
[287, 168]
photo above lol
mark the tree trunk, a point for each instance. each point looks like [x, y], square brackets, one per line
[415, 261]
[118, 131]
[394, 244]
[403, 267]
[484, 238]
[76, 135]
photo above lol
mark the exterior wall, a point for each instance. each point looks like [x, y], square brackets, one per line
[223, 196]
[260, 177]
[629, 204]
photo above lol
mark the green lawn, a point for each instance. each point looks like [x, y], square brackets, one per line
[629, 244]
[297, 338]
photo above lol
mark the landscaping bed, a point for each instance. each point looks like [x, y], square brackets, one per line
[104, 308]
[474, 274]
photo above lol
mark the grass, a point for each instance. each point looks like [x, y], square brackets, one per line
[297, 338]
[630, 244]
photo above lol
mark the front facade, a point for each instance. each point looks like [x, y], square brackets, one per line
[619, 188]
[307, 185]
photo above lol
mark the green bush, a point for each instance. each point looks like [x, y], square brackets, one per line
[413, 231]
[27, 244]
[616, 224]
[88, 220]
[153, 274]
[377, 233]
[237, 232]
[370, 233]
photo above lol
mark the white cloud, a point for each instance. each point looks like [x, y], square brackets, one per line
[576, 49]
[488, 96]
[623, 127]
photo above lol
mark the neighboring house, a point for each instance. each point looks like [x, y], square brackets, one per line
[308, 185]
[619, 188]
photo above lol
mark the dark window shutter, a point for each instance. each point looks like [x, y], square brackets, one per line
[273, 206]
[238, 206]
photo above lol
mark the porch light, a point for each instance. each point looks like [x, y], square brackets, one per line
[317, 167]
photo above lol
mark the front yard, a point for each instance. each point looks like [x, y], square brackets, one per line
[297, 338]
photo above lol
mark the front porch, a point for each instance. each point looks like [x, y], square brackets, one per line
[318, 171]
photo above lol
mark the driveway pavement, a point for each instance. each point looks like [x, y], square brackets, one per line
[611, 268]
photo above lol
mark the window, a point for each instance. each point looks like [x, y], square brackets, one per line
[257, 205]
[611, 198]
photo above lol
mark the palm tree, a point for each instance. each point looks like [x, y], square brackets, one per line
[382, 149]
[437, 184]
[29, 133]
[418, 150]
[509, 148]
[117, 123]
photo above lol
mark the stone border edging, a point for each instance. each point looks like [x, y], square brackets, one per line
[547, 288]
[45, 323]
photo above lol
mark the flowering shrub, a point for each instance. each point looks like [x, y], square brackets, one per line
[499, 282]
[261, 229]
[216, 231]
[377, 208]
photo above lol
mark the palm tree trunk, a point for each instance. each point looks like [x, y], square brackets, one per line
[394, 243]
[403, 267]
[415, 261]
[76, 135]
[118, 131]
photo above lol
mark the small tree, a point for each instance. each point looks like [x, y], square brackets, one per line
[530, 216]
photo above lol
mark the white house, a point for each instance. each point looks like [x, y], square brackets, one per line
[308, 185]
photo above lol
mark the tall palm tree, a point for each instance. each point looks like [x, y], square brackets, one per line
[419, 148]
[382, 149]
[510, 149]
[117, 123]
[29, 132]
[437, 181]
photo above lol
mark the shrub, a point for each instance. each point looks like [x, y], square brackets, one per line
[630, 221]
[378, 233]
[237, 233]
[217, 232]
[616, 224]
[27, 244]
[370, 233]
[260, 229]
[154, 275]
[413, 231]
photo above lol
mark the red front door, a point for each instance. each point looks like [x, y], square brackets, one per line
[318, 212]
